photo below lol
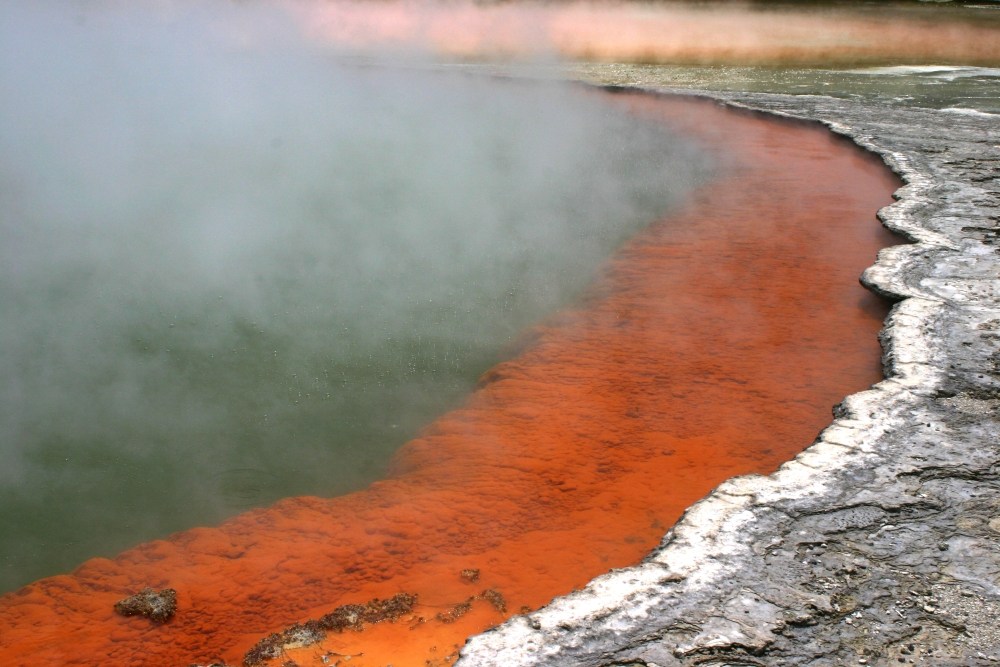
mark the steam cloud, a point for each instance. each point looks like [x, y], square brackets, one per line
[235, 267]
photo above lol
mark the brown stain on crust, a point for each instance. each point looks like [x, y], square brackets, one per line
[712, 344]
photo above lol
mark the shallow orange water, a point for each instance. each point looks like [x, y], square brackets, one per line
[713, 344]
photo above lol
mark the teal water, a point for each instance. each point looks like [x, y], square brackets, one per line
[235, 268]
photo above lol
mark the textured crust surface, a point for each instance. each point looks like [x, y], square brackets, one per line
[880, 543]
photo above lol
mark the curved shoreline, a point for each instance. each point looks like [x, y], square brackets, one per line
[530, 459]
[877, 543]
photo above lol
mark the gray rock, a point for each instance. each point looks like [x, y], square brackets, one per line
[879, 544]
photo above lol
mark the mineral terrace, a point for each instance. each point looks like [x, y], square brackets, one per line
[879, 544]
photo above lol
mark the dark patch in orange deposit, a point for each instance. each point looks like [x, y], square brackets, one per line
[157, 606]
[713, 344]
[346, 617]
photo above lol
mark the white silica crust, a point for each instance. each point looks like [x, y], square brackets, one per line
[875, 544]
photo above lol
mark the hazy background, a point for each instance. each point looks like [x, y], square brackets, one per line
[234, 267]
[773, 33]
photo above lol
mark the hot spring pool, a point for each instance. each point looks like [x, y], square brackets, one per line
[236, 268]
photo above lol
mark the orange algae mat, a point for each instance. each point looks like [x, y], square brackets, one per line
[712, 344]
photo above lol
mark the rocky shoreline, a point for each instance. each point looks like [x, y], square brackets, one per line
[879, 544]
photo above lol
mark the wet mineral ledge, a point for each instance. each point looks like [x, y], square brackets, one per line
[879, 544]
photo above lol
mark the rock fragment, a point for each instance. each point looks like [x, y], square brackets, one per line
[157, 606]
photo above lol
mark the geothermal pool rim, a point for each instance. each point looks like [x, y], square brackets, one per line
[877, 542]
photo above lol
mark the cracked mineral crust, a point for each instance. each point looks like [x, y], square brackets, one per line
[879, 544]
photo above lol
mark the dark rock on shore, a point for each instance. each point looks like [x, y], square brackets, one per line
[880, 544]
[157, 606]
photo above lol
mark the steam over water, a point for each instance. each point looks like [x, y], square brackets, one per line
[235, 268]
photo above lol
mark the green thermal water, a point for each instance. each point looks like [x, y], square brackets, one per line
[235, 272]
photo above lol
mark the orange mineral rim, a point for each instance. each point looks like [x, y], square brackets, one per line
[713, 344]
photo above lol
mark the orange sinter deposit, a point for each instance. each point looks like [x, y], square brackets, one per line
[712, 344]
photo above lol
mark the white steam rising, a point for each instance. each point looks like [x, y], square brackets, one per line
[235, 269]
